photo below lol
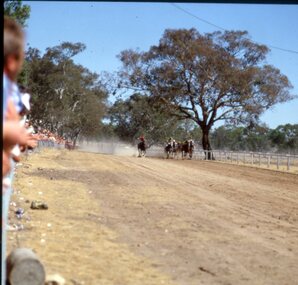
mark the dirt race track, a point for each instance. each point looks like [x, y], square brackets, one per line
[126, 220]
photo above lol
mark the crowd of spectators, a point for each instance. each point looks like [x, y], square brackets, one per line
[45, 137]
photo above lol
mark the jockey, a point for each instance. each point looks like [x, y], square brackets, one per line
[191, 143]
[141, 138]
[174, 143]
[170, 141]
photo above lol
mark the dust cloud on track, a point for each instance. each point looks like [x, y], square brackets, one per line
[196, 222]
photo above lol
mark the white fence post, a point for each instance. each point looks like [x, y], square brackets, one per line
[288, 162]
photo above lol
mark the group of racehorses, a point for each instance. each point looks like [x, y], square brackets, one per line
[172, 149]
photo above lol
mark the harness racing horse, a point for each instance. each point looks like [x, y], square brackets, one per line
[142, 148]
[187, 148]
[169, 150]
[69, 145]
[177, 149]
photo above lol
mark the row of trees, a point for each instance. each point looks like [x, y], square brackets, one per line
[137, 115]
[67, 98]
[284, 138]
[180, 87]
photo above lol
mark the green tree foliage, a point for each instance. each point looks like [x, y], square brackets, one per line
[138, 115]
[207, 78]
[257, 138]
[66, 97]
[285, 138]
[16, 10]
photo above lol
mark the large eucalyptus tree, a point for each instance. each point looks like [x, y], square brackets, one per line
[207, 78]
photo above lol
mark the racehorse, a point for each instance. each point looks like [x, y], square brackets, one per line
[187, 148]
[177, 149]
[169, 149]
[142, 148]
[69, 145]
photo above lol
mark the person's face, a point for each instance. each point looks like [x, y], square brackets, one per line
[14, 65]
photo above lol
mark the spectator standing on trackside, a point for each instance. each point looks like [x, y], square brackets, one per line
[13, 132]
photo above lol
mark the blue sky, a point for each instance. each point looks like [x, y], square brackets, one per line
[107, 28]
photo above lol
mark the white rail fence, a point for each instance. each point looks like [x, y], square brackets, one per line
[268, 160]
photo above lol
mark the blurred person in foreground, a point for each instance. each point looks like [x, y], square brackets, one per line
[14, 133]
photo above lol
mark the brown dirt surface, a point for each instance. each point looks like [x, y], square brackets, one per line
[126, 220]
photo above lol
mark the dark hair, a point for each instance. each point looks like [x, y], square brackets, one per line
[13, 38]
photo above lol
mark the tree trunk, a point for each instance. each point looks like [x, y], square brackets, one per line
[75, 137]
[74, 142]
[206, 144]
